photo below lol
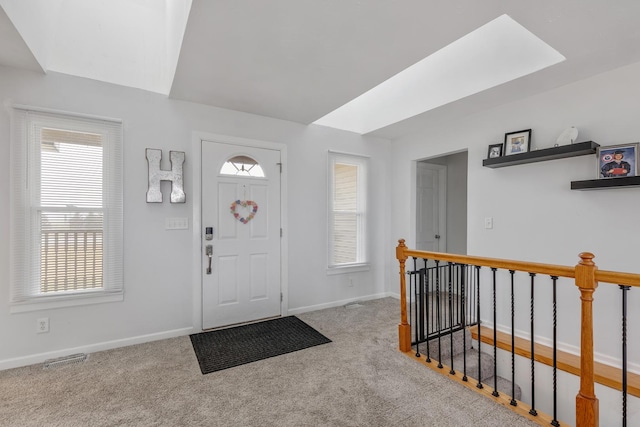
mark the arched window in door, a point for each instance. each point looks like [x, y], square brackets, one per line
[242, 166]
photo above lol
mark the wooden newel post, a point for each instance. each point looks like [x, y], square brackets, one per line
[587, 412]
[404, 329]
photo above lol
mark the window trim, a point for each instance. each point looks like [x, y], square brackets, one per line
[362, 252]
[24, 264]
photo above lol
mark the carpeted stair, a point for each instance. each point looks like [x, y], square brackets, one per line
[486, 360]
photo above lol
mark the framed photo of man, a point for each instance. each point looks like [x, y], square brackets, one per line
[616, 161]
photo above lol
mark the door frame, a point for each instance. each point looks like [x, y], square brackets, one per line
[195, 165]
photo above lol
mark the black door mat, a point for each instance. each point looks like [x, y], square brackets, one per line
[226, 348]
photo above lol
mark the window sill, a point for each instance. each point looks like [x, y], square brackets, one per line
[351, 268]
[50, 302]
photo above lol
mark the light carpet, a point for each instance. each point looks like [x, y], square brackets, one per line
[359, 379]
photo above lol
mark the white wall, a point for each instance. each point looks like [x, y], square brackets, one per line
[159, 287]
[536, 215]
[535, 199]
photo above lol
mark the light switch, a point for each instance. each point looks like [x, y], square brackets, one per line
[488, 222]
[176, 223]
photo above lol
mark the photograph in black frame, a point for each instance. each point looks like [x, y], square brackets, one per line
[616, 161]
[495, 150]
[517, 142]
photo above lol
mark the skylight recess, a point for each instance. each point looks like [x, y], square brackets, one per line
[499, 51]
[133, 43]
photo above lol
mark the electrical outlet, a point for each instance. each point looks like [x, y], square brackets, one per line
[42, 325]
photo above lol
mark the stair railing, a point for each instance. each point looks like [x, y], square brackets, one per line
[586, 277]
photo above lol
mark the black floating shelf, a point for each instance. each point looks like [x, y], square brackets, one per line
[563, 151]
[601, 184]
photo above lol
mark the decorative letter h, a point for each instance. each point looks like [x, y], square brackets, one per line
[154, 195]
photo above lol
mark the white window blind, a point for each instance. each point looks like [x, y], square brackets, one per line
[66, 208]
[347, 210]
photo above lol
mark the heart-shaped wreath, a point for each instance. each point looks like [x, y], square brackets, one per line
[248, 204]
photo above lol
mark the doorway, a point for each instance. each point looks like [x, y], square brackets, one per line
[441, 204]
[241, 233]
[431, 207]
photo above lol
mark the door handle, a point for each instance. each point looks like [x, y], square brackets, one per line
[209, 253]
[437, 236]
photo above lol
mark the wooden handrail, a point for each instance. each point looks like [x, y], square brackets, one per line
[586, 275]
[618, 278]
[529, 267]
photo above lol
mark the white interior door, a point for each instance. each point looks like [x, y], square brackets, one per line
[431, 207]
[243, 283]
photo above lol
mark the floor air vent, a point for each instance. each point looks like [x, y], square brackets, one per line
[66, 360]
[353, 305]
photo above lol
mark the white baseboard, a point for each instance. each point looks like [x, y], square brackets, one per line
[393, 295]
[107, 345]
[299, 310]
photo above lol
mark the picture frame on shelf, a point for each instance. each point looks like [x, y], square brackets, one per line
[495, 150]
[517, 142]
[616, 161]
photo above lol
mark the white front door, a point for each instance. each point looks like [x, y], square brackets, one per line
[431, 207]
[243, 212]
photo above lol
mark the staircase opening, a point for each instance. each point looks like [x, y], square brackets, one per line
[463, 316]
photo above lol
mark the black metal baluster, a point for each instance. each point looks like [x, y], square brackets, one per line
[625, 289]
[412, 299]
[434, 323]
[450, 289]
[456, 292]
[533, 411]
[464, 326]
[426, 278]
[479, 385]
[429, 300]
[513, 402]
[419, 302]
[555, 422]
[456, 272]
[428, 295]
[472, 292]
[418, 294]
[438, 323]
[495, 338]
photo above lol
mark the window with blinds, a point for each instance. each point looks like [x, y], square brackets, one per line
[67, 208]
[70, 210]
[347, 210]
